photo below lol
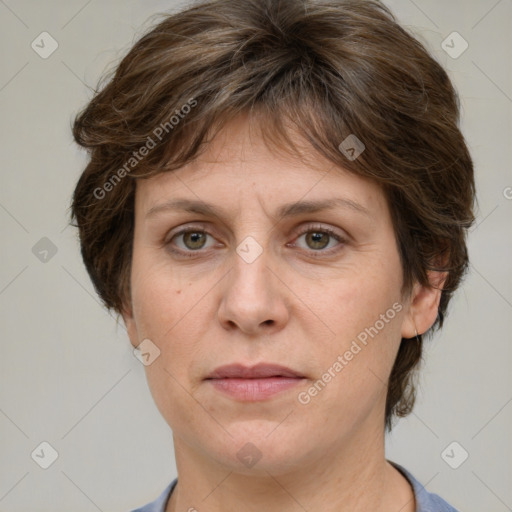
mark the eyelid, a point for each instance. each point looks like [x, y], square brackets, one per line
[332, 232]
[319, 227]
[181, 230]
[199, 227]
[340, 238]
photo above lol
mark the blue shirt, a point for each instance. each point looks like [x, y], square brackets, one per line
[425, 501]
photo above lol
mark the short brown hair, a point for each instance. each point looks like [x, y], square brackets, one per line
[327, 69]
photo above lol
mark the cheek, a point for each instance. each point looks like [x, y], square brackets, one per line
[161, 296]
[169, 310]
[365, 313]
[354, 303]
[168, 315]
[173, 317]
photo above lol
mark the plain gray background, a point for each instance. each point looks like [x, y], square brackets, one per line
[68, 375]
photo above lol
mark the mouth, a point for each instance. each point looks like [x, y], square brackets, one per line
[259, 371]
[256, 383]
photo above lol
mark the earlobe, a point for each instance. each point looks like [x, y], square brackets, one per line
[424, 305]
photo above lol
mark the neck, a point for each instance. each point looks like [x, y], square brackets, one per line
[352, 477]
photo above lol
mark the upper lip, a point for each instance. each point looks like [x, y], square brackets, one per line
[261, 370]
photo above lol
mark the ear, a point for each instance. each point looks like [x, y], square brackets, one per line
[424, 305]
[131, 326]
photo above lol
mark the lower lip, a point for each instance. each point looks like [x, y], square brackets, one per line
[251, 390]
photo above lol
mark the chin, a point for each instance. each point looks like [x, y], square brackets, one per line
[259, 451]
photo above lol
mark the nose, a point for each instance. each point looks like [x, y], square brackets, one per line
[254, 300]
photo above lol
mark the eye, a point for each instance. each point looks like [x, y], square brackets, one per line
[190, 240]
[321, 239]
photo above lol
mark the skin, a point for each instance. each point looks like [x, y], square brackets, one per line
[300, 304]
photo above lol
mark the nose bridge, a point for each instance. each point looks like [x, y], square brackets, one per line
[250, 273]
[252, 252]
[251, 300]
[250, 279]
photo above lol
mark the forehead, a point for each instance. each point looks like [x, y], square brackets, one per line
[239, 167]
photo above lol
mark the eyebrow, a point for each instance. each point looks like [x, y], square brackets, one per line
[286, 210]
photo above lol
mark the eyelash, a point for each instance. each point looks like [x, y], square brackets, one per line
[308, 229]
[328, 231]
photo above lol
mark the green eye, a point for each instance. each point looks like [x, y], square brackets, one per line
[190, 240]
[194, 239]
[317, 240]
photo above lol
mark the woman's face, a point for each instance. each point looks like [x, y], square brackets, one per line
[293, 264]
